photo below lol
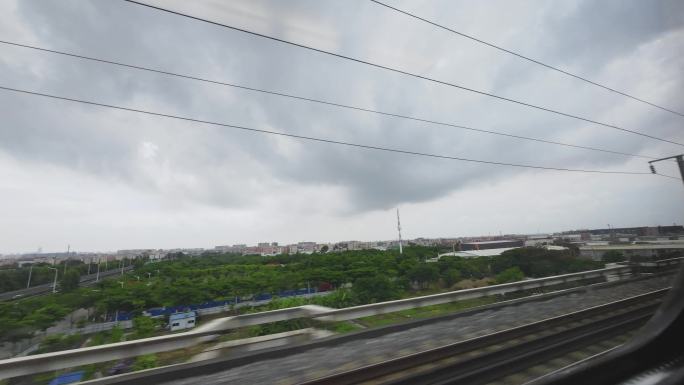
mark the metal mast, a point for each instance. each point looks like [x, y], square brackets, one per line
[401, 251]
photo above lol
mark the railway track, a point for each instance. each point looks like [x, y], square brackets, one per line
[490, 357]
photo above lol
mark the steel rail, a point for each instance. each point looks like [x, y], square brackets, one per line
[492, 364]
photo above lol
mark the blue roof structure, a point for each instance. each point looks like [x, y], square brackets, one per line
[67, 378]
[177, 316]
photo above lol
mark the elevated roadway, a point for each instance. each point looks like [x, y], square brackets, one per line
[86, 280]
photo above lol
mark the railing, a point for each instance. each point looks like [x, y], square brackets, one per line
[662, 262]
[69, 358]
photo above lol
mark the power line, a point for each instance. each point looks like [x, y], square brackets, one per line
[525, 57]
[668, 176]
[315, 139]
[302, 98]
[404, 72]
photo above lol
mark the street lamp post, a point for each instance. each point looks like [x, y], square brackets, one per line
[28, 284]
[66, 261]
[678, 158]
[54, 283]
[97, 277]
[610, 232]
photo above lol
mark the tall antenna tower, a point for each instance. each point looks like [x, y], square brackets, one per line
[401, 251]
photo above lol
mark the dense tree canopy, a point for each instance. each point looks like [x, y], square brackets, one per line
[70, 280]
[373, 276]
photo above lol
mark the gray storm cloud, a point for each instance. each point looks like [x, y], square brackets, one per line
[219, 166]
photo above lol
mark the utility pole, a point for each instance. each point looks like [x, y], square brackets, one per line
[678, 158]
[122, 266]
[97, 277]
[28, 284]
[89, 264]
[66, 261]
[401, 251]
[54, 283]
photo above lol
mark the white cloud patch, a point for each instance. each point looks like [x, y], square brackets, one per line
[148, 150]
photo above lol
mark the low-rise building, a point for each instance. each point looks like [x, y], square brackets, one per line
[180, 321]
[306, 247]
[500, 244]
[477, 253]
[631, 251]
[537, 242]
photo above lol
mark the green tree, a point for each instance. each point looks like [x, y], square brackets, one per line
[45, 316]
[70, 280]
[450, 277]
[57, 342]
[511, 274]
[613, 256]
[338, 299]
[423, 274]
[116, 334]
[374, 289]
[146, 361]
[143, 327]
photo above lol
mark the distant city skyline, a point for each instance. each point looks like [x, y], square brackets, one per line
[262, 243]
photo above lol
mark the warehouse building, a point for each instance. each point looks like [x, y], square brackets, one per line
[634, 251]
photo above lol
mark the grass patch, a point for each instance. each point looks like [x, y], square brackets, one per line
[341, 327]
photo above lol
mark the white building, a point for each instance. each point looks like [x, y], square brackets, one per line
[180, 321]
[306, 247]
[478, 253]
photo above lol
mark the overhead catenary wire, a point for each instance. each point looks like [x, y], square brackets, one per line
[319, 101]
[316, 139]
[668, 176]
[524, 57]
[403, 72]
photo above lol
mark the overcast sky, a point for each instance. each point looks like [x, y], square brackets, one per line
[101, 179]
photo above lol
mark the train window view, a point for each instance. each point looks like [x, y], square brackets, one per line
[341, 192]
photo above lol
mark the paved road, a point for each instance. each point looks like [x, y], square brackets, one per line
[86, 280]
[316, 362]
